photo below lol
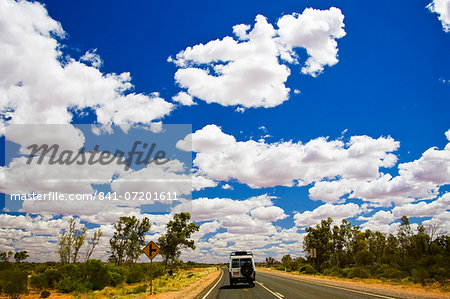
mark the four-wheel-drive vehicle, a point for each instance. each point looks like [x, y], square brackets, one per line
[242, 268]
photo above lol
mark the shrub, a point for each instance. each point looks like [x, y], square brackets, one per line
[139, 289]
[334, 271]
[135, 274]
[45, 294]
[16, 283]
[420, 274]
[69, 285]
[38, 281]
[5, 266]
[52, 276]
[392, 272]
[117, 275]
[96, 273]
[307, 269]
[358, 272]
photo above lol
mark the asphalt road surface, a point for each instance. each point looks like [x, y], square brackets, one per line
[272, 286]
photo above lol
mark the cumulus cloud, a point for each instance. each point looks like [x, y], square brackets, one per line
[442, 220]
[245, 73]
[259, 164]
[246, 70]
[207, 209]
[201, 182]
[93, 58]
[231, 224]
[227, 187]
[442, 8]
[39, 84]
[315, 30]
[420, 179]
[424, 209]
[337, 212]
[67, 137]
[184, 99]
[268, 213]
[168, 178]
[20, 177]
[380, 221]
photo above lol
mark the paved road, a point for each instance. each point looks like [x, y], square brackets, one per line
[272, 286]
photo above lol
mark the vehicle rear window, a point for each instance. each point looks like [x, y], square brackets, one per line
[246, 262]
[236, 263]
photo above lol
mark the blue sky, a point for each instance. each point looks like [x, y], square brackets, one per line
[381, 84]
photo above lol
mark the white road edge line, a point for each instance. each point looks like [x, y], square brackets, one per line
[275, 294]
[355, 291]
[220, 278]
[341, 288]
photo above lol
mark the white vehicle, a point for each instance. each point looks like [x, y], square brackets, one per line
[242, 268]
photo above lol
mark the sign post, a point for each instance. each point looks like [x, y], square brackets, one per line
[151, 250]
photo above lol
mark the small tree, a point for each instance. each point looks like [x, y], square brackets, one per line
[20, 256]
[93, 243]
[178, 232]
[128, 239]
[286, 260]
[70, 242]
[270, 261]
[5, 256]
[404, 235]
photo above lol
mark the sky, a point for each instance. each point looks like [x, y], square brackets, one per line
[293, 111]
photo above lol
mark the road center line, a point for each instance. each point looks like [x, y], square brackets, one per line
[275, 294]
[220, 278]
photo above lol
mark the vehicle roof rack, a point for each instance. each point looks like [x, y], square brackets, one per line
[234, 253]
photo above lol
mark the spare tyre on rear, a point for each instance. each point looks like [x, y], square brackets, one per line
[246, 270]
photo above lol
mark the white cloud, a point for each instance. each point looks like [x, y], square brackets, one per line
[316, 31]
[240, 224]
[33, 225]
[185, 144]
[424, 209]
[442, 220]
[442, 8]
[260, 164]
[67, 137]
[380, 221]
[184, 99]
[271, 213]
[246, 71]
[201, 182]
[166, 178]
[420, 179]
[417, 180]
[37, 88]
[227, 187]
[207, 209]
[20, 177]
[337, 212]
[93, 58]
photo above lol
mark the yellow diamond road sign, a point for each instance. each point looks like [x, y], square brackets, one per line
[151, 250]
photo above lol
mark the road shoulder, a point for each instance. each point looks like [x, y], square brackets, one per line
[193, 290]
